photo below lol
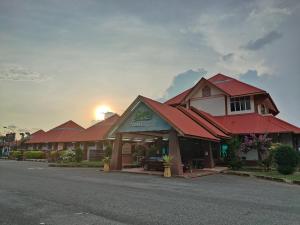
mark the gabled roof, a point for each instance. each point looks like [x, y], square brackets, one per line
[35, 137]
[98, 131]
[228, 85]
[256, 123]
[233, 87]
[210, 118]
[211, 128]
[178, 98]
[173, 116]
[62, 133]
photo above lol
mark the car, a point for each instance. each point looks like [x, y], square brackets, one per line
[153, 163]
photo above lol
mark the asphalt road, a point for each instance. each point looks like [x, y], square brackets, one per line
[32, 193]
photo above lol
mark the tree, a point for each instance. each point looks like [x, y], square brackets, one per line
[260, 143]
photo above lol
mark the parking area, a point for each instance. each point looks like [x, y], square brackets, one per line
[33, 193]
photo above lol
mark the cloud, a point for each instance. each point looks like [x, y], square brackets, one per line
[182, 82]
[253, 77]
[228, 57]
[19, 73]
[263, 41]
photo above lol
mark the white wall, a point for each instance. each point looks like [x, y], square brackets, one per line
[60, 146]
[251, 155]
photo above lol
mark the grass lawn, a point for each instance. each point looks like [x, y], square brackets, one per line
[84, 163]
[275, 174]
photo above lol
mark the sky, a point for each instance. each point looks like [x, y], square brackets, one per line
[60, 59]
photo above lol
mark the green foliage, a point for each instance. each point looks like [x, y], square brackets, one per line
[268, 162]
[68, 156]
[78, 155]
[34, 155]
[167, 160]
[138, 152]
[286, 159]
[18, 155]
[235, 164]
[106, 160]
[54, 156]
[108, 151]
[152, 151]
[232, 158]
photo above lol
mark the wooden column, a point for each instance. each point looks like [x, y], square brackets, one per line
[211, 162]
[174, 152]
[116, 158]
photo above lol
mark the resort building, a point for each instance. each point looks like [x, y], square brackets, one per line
[58, 138]
[70, 136]
[193, 126]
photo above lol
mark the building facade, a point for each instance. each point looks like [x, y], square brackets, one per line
[195, 123]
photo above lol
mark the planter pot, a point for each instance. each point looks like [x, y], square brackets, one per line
[167, 171]
[106, 167]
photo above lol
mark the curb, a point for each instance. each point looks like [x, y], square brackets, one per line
[36, 160]
[281, 180]
[71, 166]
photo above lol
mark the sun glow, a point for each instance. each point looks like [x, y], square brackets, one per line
[100, 112]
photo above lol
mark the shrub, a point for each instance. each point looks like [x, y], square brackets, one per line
[54, 156]
[68, 156]
[78, 155]
[106, 160]
[167, 160]
[235, 164]
[108, 151]
[286, 159]
[34, 155]
[232, 157]
[18, 155]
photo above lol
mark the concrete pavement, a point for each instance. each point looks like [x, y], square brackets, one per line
[32, 193]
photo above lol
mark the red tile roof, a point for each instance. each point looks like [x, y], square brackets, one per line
[35, 137]
[232, 86]
[211, 128]
[179, 120]
[98, 131]
[256, 123]
[62, 133]
[178, 98]
[229, 85]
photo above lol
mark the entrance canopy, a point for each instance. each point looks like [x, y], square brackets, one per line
[146, 116]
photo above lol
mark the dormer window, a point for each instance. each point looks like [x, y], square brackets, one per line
[240, 104]
[263, 109]
[206, 92]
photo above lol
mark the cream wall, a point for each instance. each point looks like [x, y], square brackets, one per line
[214, 104]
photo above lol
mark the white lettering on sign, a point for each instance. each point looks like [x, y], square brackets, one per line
[137, 124]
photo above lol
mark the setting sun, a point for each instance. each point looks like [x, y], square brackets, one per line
[100, 112]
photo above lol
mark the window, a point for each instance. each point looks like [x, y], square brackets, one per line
[206, 91]
[240, 104]
[263, 109]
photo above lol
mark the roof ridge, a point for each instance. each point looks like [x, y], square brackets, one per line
[185, 111]
[237, 80]
[215, 123]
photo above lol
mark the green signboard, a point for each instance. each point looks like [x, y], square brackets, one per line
[143, 118]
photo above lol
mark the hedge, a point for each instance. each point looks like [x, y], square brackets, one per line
[34, 155]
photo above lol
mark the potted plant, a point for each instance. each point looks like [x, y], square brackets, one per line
[106, 161]
[167, 165]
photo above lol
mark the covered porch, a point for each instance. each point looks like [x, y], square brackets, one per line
[162, 130]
